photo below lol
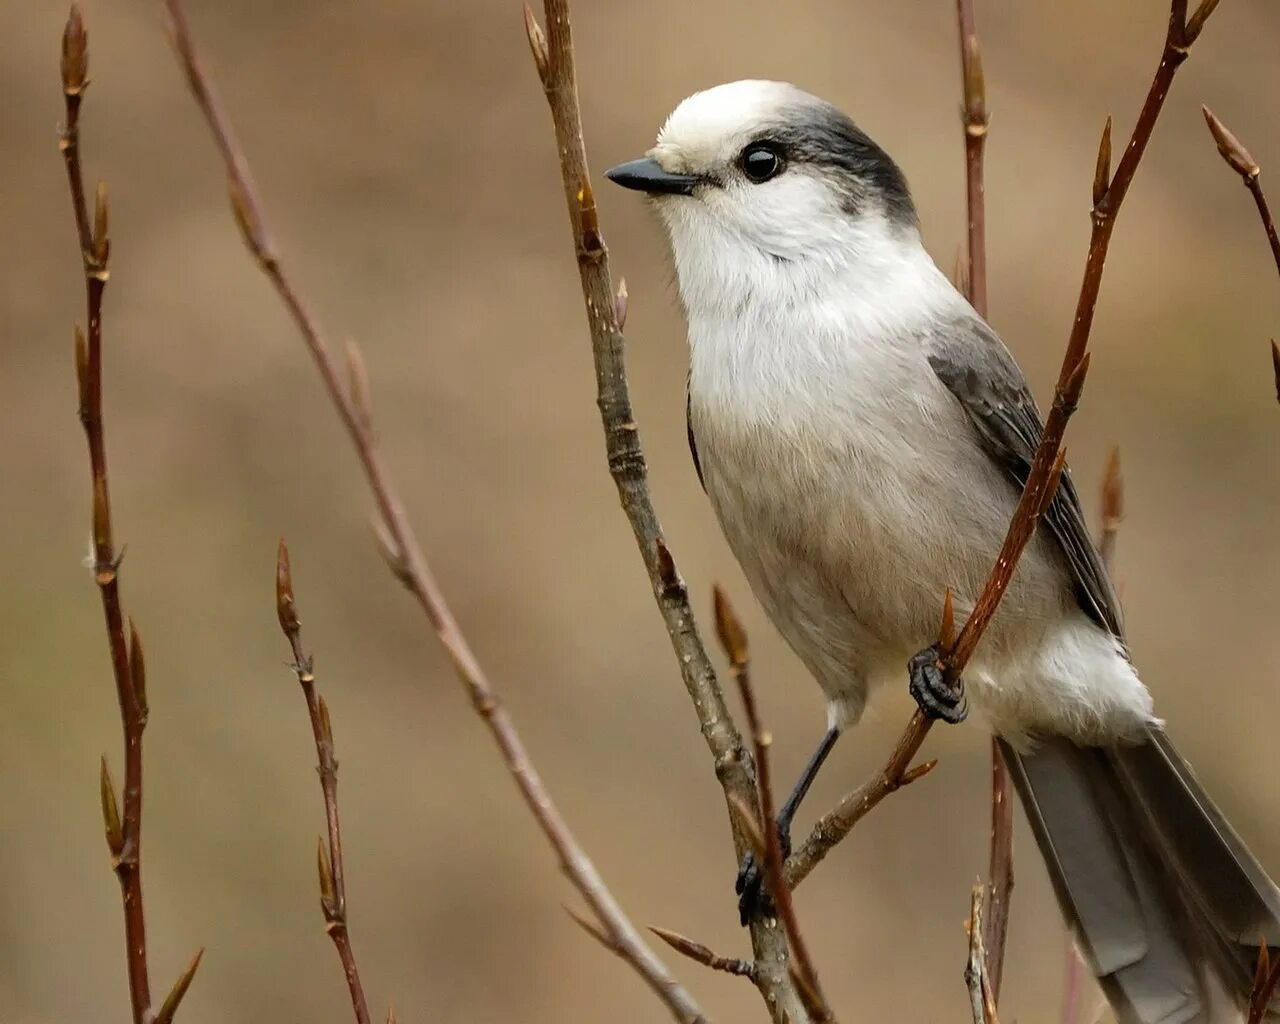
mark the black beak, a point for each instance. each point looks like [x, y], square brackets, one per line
[645, 175]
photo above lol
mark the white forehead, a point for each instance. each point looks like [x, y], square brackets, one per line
[713, 124]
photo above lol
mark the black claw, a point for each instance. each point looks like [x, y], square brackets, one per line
[928, 685]
[753, 898]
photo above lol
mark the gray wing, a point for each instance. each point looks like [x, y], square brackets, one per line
[976, 367]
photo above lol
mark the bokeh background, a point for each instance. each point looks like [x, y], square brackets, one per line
[405, 155]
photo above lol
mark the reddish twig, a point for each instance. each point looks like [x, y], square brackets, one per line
[404, 552]
[333, 888]
[606, 311]
[1047, 465]
[1244, 165]
[123, 828]
[733, 639]
[696, 951]
[975, 120]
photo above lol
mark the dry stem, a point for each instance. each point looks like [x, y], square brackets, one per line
[975, 119]
[553, 56]
[734, 640]
[701, 954]
[405, 553]
[333, 888]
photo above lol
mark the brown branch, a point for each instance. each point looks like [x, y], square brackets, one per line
[1244, 165]
[333, 888]
[973, 116]
[405, 553]
[1046, 466]
[696, 951]
[124, 831]
[975, 120]
[733, 639]
[553, 57]
[976, 978]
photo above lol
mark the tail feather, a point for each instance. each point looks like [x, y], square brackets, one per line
[1166, 901]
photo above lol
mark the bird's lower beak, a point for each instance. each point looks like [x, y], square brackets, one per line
[647, 175]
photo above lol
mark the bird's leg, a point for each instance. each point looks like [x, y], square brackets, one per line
[752, 899]
[937, 697]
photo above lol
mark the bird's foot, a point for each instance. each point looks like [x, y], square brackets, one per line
[937, 698]
[753, 895]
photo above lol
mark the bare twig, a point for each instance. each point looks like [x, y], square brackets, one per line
[405, 553]
[686, 946]
[975, 119]
[1047, 465]
[733, 638]
[976, 978]
[553, 57]
[1244, 165]
[333, 888]
[123, 829]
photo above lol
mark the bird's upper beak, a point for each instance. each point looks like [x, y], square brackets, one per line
[647, 175]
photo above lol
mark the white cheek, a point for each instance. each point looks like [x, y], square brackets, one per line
[789, 217]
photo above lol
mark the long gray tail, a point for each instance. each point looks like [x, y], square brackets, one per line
[1166, 902]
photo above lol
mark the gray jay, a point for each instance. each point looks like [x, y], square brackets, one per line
[863, 436]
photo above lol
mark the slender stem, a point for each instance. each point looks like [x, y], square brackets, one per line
[94, 252]
[409, 562]
[333, 890]
[975, 120]
[734, 640]
[553, 57]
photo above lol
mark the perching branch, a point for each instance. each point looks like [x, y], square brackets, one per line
[733, 638]
[123, 830]
[553, 56]
[402, 547]
[975, 119]
[1047, 465]
[333, 888]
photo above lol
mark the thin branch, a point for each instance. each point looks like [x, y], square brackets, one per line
[333, 888]
[553, 57]
[123, 830]
[1238, 158]
[405, 552]
[1049, 460]
[733, 639]
[976, 978]
[975, 119]
[696, 951]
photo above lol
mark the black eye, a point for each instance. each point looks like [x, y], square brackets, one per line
[761, 161]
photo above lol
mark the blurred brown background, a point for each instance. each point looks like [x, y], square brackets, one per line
[405, 154]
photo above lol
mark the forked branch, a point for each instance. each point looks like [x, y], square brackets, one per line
[553, 57]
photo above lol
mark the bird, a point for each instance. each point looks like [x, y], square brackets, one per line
[863, 436]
